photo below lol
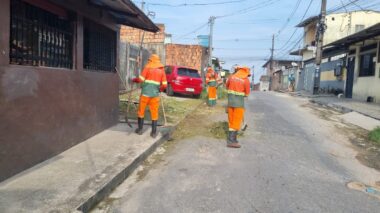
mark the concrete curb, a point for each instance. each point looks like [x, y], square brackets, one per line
[104, 191]
[339, 108]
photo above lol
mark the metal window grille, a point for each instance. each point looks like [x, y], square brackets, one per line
[99, 50]
[39, 38]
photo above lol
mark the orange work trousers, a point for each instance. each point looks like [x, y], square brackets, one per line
[212, 93]
[153, 103]
[212, 96]
[235, 118]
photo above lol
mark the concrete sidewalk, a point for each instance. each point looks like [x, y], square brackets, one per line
[348, 105]
[79, 177]
[344, 105]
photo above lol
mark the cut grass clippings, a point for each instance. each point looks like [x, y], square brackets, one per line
[204, 127]
[374, 135]
[175, 108]
[219, 130]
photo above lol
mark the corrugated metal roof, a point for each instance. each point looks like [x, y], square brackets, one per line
[307, 21]
[281, 61]
[359, 36]
[125, 12]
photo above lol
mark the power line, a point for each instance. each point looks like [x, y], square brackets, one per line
[242, 49]
[345, 8]
[342, 6]
[295, 31]
[372, 4]
[249, 39]
[357, 5]
[254, 22]
[290, 17]
[257, 6]
[193, 31]
[336, 8]
[195, 4]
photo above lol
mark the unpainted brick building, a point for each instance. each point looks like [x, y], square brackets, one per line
[193, 56]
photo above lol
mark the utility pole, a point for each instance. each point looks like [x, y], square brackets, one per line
[320, 32]
[271, 63]
[142, 5]
[141, 36]
[271, 56]
[211, 21]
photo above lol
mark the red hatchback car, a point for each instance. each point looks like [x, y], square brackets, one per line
[183, 80]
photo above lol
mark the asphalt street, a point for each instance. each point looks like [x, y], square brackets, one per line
[290, 161]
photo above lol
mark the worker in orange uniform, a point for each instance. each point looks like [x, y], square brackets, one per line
[238, 87]
[153, 81]
[212, 83]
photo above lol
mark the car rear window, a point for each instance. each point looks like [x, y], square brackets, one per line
[188, 72]
[168, 70]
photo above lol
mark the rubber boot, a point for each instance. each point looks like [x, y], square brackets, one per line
[235, 137]
[154, 134]
[140, 123]
[230, 139]
[235, 143]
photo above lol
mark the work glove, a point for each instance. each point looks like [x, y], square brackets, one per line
[162, 88]
[136, 80]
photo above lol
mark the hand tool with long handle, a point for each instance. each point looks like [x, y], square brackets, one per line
[245, 125]
[129, 98]
[163, 109]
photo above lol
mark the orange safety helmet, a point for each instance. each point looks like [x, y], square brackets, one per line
[154, 62]
[244, 69]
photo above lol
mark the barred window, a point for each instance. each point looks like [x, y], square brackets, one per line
[99, 49]
[39, 37]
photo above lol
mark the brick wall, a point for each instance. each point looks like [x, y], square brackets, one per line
[133, 35]
[193, 56]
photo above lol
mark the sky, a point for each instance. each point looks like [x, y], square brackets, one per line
[243, 29]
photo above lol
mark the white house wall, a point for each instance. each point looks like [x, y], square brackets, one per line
[344, 24]
[366, 86]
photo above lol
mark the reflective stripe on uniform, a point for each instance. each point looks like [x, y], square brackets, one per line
[235, 93]
[152, 82]
[164, 83]
[142, 78]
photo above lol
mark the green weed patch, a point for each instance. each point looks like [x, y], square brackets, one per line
[374, 135]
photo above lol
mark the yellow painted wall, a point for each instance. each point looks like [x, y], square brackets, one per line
[309, 34]
[330, 76]
[307, 54]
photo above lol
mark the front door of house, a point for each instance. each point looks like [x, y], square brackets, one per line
[350, 77]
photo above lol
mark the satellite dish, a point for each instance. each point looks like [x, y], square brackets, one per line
[294, 64]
